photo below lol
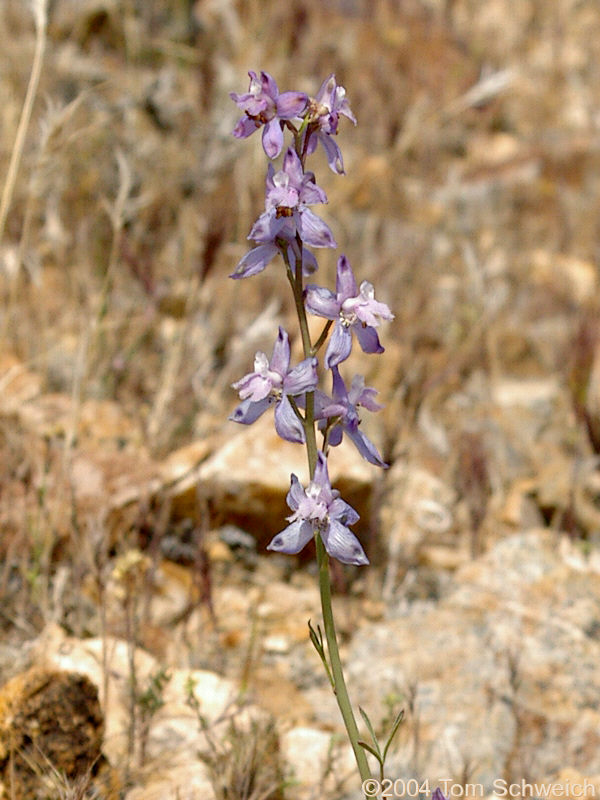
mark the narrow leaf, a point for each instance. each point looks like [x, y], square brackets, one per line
[371, 750]
[316, 637]
[367, 721]
[395, 726]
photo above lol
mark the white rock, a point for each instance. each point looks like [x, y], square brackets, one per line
[175, 736]
[506, 659]
[188, 782]
[314, 764]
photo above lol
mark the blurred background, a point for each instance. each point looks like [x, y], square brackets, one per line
[470, 201]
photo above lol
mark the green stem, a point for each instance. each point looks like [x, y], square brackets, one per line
[319, 343]
[341, 692]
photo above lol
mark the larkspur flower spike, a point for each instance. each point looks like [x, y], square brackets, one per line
[289, 227]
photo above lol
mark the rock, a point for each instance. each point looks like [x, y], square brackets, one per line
[96, 659]
[499, 674]
[177, 783]
[443, 558]
[180, 465]
[418, 508]
[193, 701]
[314, 764]
[51, 730]
[287, 608]
[175, 721]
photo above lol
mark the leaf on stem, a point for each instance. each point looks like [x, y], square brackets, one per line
[371, 750]
[393, 732]
[375, 750]
[316, 637]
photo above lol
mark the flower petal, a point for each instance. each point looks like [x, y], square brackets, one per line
[362, 395]
[267, 227]
[310, 193]
[341, 105]
[287, 424]
[291, 104]
[293, 167]
[336, 434]
[313, 140]
[293, 538]
[269, 85]
[309, 262]
[366, 447]
[248, 412]
[253, 387]
[313, 231]
[333, 153]
[342, 544]
[321, 477]
[338, 387]
[272, 138]
[322, 302]
[269, 182]
[369, 310]
[345, 283]
[325, 407]
[343, 512]
[368, 339]
[303, 378]
[254, 261]
[245, 127]
[280, 360]
[339, 347]
[326, 90]
[295, 494]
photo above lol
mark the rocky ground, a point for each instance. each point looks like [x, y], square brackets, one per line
[151, 647]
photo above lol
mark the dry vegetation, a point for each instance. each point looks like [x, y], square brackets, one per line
[471, 202]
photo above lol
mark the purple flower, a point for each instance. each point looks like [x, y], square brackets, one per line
[324, 113]
[319, 509]
[263, 105]
[272, 382]
[289, 193]
[355, 310]
[344, 407]
[257, 259]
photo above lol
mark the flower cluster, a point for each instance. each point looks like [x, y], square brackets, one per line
[288, 227]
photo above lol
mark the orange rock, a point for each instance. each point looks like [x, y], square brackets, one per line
[51, 729]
